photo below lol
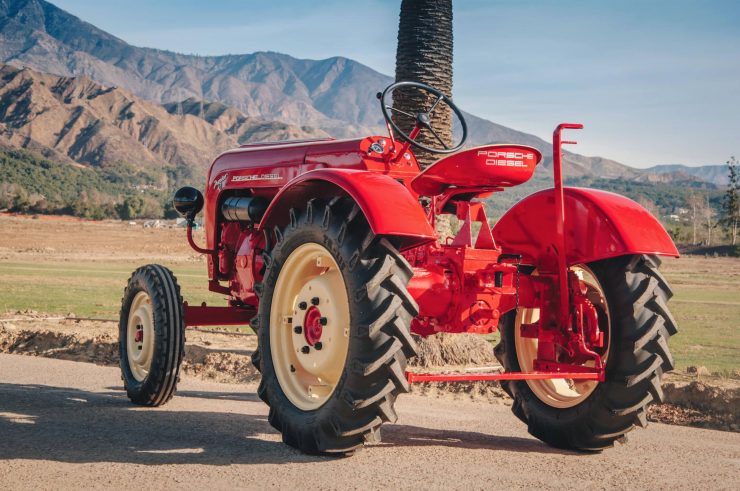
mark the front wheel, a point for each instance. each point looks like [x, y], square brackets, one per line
[151, 335]
[630, 296]
[333, 327]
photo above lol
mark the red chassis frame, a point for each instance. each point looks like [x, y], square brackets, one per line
[464, 285]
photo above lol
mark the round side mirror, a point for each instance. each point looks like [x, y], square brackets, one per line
[188, 202]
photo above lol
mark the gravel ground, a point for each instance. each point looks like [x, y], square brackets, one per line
[68, 425]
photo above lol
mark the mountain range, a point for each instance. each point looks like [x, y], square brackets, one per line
[715, 174]
[76, 120]
[111, 101]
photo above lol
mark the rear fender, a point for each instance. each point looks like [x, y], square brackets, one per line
[598, 225]
[390, 209]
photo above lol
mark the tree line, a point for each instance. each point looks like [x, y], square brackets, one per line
[30, 184]
[708, 220]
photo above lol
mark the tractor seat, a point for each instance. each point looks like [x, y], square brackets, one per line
[489, 166]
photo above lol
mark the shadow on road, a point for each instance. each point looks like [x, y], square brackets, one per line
[70, 425]
[63, 424]
[416, 436]
[201, 394]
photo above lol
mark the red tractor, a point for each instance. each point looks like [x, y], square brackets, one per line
[327, 249]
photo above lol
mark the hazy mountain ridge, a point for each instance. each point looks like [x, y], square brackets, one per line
[76, 120]
[268, 85]
[311, 97]
[716, 174]
[235, 123]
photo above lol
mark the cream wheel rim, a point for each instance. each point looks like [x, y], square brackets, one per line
[561, 393]
[140, 336]
[309, 359]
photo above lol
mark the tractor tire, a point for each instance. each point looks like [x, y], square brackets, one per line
[151, 335]
[640, 325]
[359, 282]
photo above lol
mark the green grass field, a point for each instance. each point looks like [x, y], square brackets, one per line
[706, 302]
[86, 289]
[706, 305]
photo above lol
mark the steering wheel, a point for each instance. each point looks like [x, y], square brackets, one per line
[422, 120]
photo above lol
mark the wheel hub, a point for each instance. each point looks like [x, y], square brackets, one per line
[312, 325]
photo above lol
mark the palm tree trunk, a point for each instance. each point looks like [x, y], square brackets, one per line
[424, 54]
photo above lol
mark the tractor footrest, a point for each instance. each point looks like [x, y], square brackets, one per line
[475, 377]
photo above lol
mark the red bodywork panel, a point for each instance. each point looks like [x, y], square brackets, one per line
[598, 225]
[490, 166]
[374, 193]
[264, 169]
[299, 171]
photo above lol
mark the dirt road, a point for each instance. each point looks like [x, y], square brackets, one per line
[65, 424]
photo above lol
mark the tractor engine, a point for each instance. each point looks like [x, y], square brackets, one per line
[237, 261]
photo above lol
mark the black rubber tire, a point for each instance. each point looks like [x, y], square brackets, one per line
[638, 356]
[381, 310]
[169, 328]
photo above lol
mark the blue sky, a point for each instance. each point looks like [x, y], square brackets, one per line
[653, 81]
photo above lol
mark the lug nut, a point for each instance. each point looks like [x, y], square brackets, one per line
[297, 329]
[303, 305]
[322, 321]
[305, 350]
[318, 345]
[315, 300]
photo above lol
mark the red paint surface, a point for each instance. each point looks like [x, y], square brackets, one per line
[598, 225]
[389, 207]
[312, 328]
[204, 315]
[490, 166]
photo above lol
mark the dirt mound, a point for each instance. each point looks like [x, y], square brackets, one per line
[703, 405]
[453, 349]
[677, 415]
[220, 366]
[444, 353]
[102, 349]
[477, 391]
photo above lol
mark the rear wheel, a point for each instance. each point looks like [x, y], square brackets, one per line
[151, 335]
[630, 296]
[333, 328]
